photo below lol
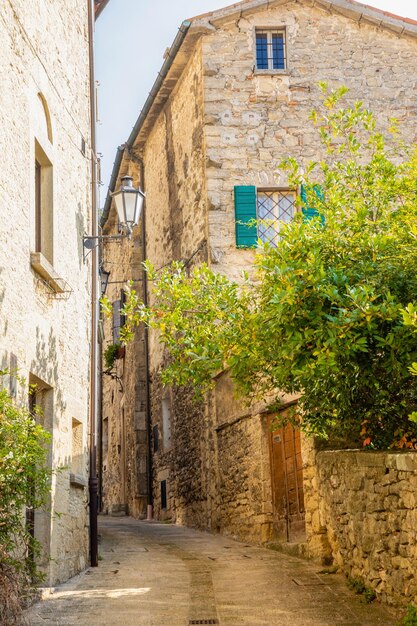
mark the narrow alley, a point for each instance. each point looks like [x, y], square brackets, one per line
[153, 574]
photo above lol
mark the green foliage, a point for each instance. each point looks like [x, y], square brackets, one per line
[110, 354]
[324, 315]
[410, 319]
[358, 586]
[24, 483]
[199, 317]
[410, 619]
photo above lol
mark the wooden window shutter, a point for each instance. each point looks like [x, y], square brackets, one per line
[310, 211]
[245, 212]
[122, 304]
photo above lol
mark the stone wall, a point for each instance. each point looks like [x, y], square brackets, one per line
[243, 481]
[45, 333]
[217, 123]
[254, 119]
[175, 180]
[124, 455]
[177, 229]
[361, 511]
[183, 461]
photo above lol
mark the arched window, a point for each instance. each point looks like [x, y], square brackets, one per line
[44, 117]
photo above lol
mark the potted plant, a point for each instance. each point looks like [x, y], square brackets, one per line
[113, 352]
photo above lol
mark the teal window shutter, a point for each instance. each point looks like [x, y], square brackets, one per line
[245, 212]
[310, 212]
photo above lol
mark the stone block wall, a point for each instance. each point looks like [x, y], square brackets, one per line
[244, 499]
[217, 123]
[243, 492]
[177, 229]
[174, 183]
[361, 511]
[124, 448]
[45, 111]
[183, 461]
[254, 119]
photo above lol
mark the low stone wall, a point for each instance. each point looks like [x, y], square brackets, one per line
[361, 511]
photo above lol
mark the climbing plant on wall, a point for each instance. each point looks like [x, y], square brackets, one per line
[322, 313]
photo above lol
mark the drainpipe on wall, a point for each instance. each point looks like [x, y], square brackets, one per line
[93, 479]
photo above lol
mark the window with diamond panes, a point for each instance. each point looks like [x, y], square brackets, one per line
[270, 50]
[274, 207]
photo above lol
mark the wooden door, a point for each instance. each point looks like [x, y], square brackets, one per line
[287, 481]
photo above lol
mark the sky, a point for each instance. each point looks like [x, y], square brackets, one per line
[130, 40]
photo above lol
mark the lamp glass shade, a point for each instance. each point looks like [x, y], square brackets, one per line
[129, 203]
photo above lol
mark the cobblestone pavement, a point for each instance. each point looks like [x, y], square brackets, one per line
[153, 574]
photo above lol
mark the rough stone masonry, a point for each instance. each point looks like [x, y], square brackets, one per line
[217, 122]
[45, 203]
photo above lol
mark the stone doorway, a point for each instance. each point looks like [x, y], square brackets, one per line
[287, 481]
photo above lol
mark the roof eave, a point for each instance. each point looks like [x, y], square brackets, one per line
[99, 6]
[349, 8]
[168, 76]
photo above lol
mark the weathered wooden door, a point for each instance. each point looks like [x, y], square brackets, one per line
[287, 481]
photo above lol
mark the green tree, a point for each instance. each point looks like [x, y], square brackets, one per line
[24, 483]
[322, 315]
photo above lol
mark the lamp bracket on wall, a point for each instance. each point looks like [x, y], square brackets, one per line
[90, 243]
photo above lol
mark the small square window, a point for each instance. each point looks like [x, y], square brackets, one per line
[270, 50]
[274, 207]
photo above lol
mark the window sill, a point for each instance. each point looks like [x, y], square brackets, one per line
[78, 481]
[45, 270]
[271, 72]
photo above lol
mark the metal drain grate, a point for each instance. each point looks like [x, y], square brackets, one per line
[203, 621]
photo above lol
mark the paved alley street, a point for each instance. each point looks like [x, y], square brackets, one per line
[153, 574]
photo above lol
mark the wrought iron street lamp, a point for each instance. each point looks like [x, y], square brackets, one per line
[129, 204]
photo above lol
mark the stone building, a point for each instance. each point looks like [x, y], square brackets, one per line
[232, 100]
[45, 282]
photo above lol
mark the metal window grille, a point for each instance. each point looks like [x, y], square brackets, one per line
[274, 207]
[270, 50]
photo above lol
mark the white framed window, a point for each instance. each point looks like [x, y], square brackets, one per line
[274, 206]
[270, 49]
